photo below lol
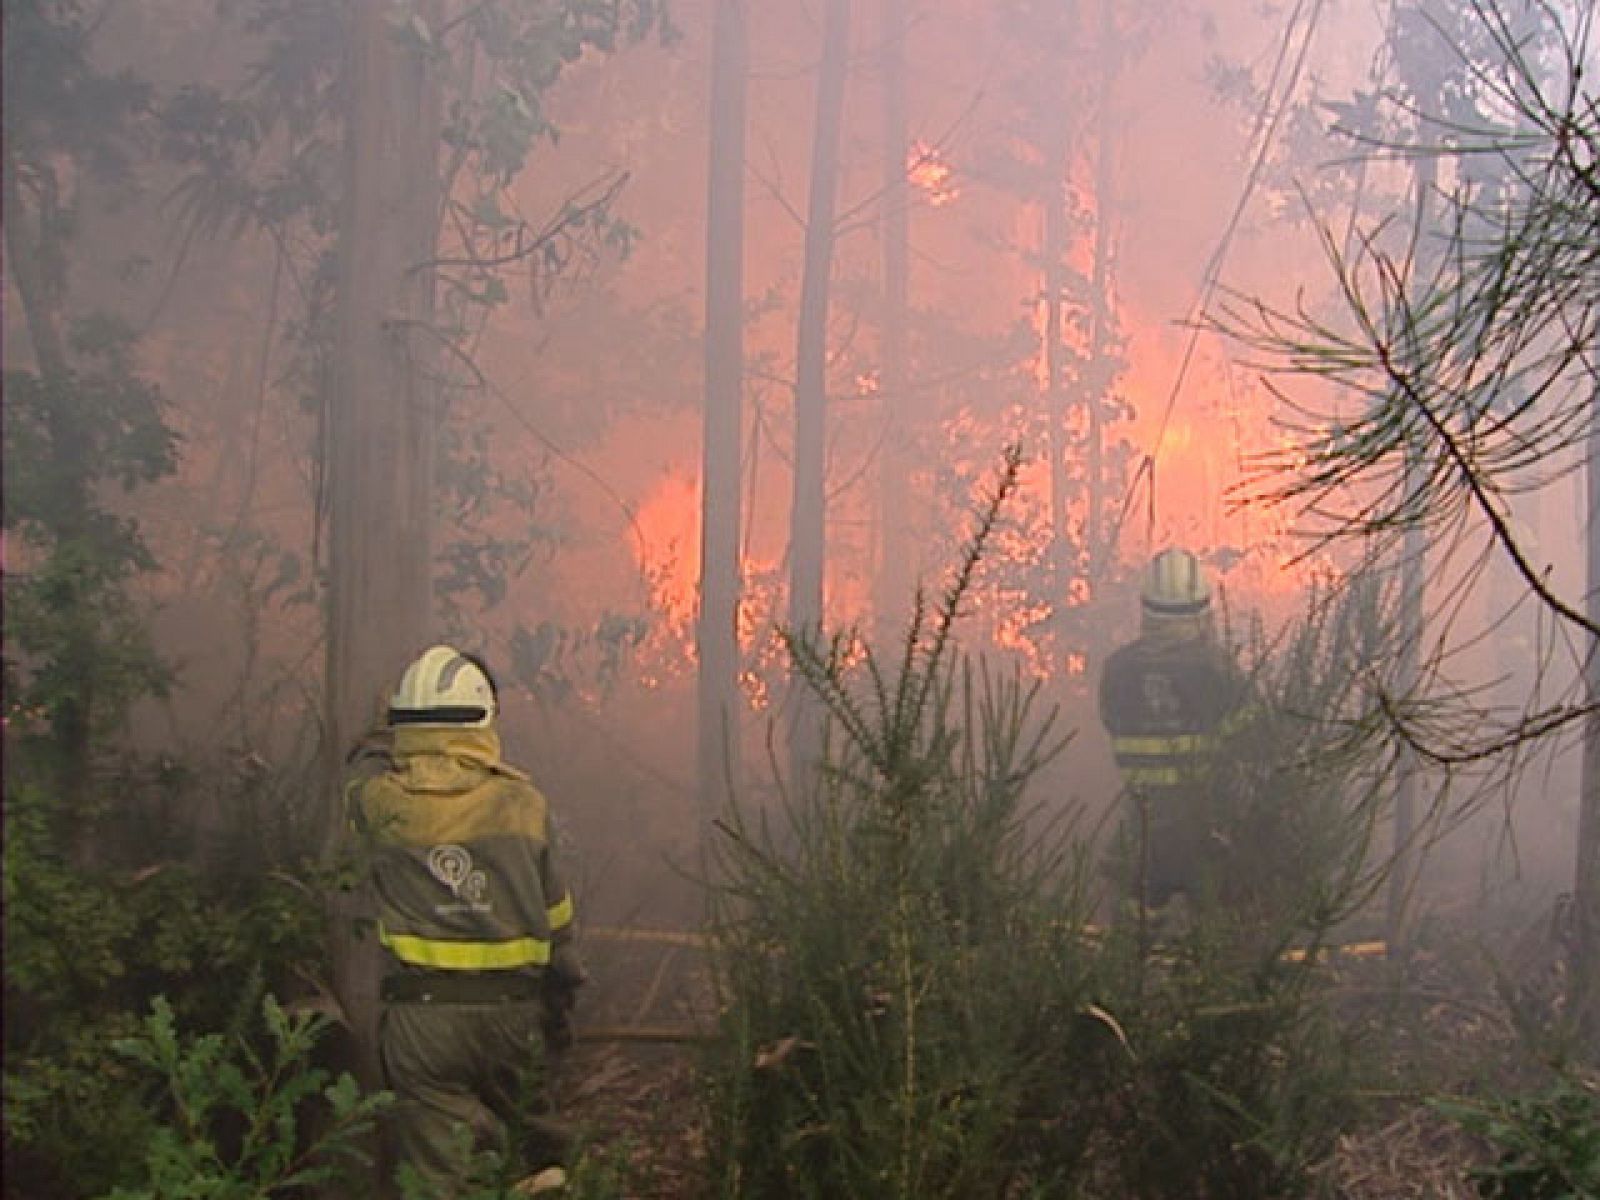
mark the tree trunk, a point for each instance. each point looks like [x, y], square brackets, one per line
[718, 764]
[1058, 442]
[808, 534]
[26, 255]
[380, 423]
[1100, 331]
[895, 572]
[1586, 880]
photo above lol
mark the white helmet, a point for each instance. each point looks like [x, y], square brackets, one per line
[1175, 586]
[444, 687]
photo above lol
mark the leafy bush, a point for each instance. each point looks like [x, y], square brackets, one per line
[901, 955]
[1546, 1144]
[238, 1124]
[87, 948]
[1236, 1083]
[102, 908]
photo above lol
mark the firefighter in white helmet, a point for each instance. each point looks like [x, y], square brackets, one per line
[475, 919]
[1168, 699]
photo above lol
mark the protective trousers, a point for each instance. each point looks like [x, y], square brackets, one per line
[1170, 832]
[476, 1068]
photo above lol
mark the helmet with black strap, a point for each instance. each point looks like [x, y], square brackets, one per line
[445, 686]
[1175, 586]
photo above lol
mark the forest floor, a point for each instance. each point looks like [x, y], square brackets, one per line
[640, 1104]
[637, 1105]
[629, 1085]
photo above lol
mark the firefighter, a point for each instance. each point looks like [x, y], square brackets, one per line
[475, 921]
[1168, 698]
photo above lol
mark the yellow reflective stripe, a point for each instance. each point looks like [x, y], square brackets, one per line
[1162, 747]
[560, 915]
[1156, 776]
[1374, 949]
[466, 956]
[1239, 719]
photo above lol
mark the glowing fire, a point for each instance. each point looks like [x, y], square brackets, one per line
[1199, 440]
[668, 549]
[667, 554]
[927, 170]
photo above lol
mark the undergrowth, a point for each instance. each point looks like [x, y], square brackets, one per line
[917, 1001]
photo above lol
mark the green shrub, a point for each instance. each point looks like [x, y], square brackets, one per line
[1236, 1082]
[900, 949]
[87, 949]
[239, 1122]
[104, 907]
[1546, 1144]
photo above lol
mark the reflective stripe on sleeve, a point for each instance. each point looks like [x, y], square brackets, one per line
[1152, 760]
[466, 956]
[1169, 746]
[1239, 720]
[1155, 776]
[560, 915]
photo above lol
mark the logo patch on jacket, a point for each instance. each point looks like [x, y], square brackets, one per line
[1161, 697]
[451, 865]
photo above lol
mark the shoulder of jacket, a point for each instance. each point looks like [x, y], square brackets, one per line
[525, 798]
[373, 786]
[1129, 657]
[368, 757]
[506, 771]
[508, 780]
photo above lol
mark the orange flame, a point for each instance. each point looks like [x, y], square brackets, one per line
[668, 522]
[927, 170]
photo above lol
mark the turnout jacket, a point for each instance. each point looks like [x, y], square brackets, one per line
[463, 872]
[1168, 701]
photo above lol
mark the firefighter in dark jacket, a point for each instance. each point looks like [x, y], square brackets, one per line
[1169, 699]
[474, 917]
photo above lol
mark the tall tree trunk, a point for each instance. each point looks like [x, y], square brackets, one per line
[1586, 880]
[26, 256]
[1054, 239]
[895, 571]
[808, 533]
[1100, 331]
[381, 419]
[718, 759]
